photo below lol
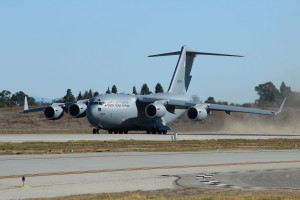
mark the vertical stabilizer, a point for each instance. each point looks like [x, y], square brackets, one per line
[181, 78]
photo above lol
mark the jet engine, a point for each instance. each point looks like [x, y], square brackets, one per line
[196, 113]
[77, 110]
[53, 112]
[155, 110]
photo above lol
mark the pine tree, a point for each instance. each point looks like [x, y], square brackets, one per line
[69, 97]
[96, 94]
[285, 90]
[114, 89]
[145, 89]
[159, 88]
[108, 91]
[134, 90]
[90, 94]
[85, 95]
[79, 97]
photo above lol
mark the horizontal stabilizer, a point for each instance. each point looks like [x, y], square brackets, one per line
[193, 53]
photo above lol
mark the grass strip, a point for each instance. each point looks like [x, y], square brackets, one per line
[8, 148]
[192, 194]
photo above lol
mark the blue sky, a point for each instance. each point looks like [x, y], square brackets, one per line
[47, 47]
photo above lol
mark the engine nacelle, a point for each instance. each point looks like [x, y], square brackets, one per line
[155, 110]
[53, 112]
[196, 113]
[77, 110]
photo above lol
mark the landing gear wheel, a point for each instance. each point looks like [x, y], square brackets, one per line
[94, 131]
[159, 132]
[126, 131]
[97, 131]
[115, 131]
[148, 132]
[120, 132]
[154, 131]
[110, 131]
[164, 131]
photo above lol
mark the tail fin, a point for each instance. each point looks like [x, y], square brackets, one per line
[181, 78]
[25, 103]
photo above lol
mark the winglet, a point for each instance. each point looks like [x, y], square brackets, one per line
[25, 103]
[280, 109]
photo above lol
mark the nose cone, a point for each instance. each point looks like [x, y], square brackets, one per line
[91, 113]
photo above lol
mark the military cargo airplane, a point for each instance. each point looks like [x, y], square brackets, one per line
[120, 113]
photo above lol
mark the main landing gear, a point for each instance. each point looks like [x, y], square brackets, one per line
[155, 131]
[118, 131]
[96, 131]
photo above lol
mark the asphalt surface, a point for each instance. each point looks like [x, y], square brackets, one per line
[73, 174]
[181, 136]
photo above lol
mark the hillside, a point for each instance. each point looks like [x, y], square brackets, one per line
[287, 122]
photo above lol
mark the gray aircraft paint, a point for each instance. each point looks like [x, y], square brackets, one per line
[181, 78]
[122, 112]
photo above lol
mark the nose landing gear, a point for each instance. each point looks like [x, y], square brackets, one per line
[96, 131]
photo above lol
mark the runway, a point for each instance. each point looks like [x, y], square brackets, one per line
[73, 174]
[168, 137]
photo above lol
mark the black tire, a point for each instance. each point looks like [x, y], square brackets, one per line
[110, 131]
[148, 132]
[94, 131]
[154, 131]
[120, 131]
[115, 131]
[165, 131]
[159, 132]
[126, 131]
[98, 131]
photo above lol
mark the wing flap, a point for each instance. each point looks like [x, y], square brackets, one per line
[229, 109]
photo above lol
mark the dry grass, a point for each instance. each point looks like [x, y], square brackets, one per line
[8, 148]
[192, 194]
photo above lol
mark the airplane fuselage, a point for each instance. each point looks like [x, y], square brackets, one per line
[125, 112]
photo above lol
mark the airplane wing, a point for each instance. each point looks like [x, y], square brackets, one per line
[62, 105]
[209, 107]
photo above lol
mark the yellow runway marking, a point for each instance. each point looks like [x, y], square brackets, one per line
[146, 168]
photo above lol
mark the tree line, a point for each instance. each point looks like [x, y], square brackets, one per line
[7, 99]
[269, 96]
[69, 97]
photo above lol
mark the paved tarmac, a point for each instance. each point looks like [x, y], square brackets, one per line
[73, 174]
[106, 137]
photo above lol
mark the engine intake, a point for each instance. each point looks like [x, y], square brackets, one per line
[77, 110]
[196, 113]
[53, 112]
[155, 110]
